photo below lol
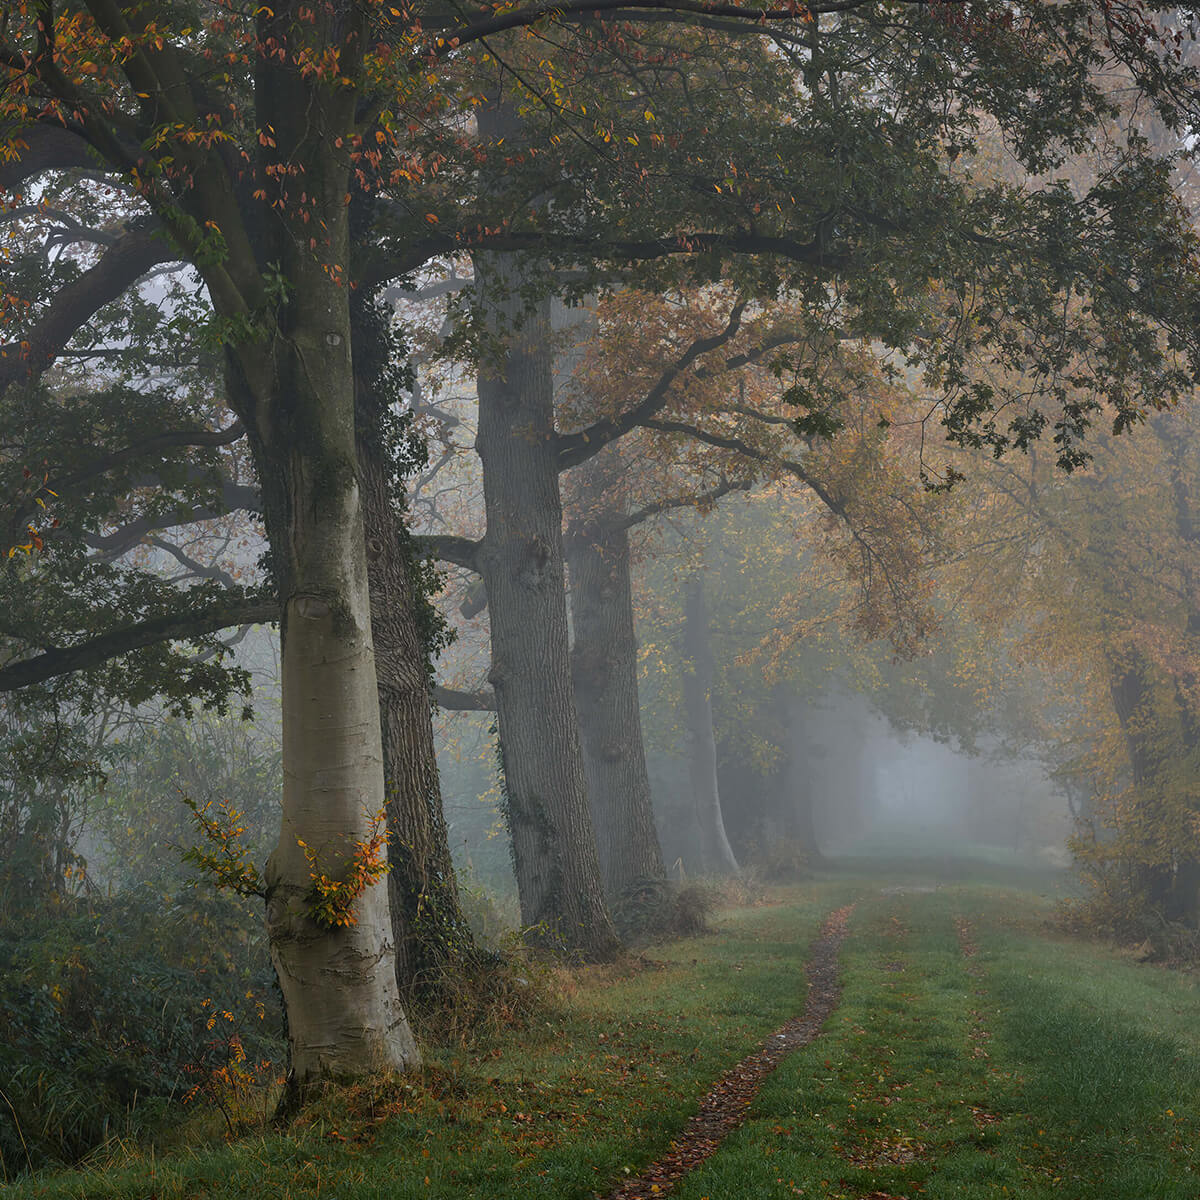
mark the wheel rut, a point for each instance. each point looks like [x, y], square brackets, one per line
[726, 1105]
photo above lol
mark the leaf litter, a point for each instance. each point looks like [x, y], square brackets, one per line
[726, 1106]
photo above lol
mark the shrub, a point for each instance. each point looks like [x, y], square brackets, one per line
[115, 1012]
[651, 909]
[475, 999]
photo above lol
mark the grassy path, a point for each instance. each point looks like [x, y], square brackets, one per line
[975, 1055]
[723, 1109]
[972, 1054]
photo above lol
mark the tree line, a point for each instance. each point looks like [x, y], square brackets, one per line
[209, 206]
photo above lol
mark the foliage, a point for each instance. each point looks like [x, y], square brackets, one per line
[226, 863]
[1037, 1062]
[598, 1081]
[115, 1012]
[159, 767]
[51, 769]
[332, 901]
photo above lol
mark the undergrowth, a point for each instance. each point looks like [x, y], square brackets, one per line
[118, 1014]
[592, 1079]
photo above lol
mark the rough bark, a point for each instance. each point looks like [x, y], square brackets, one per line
[604, 671]
[428, 926]
[697, 703]
[554, 852]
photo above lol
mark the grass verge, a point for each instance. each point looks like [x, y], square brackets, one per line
[975, 1054]
[557, 1109]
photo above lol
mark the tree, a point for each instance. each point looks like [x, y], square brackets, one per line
[243, 135]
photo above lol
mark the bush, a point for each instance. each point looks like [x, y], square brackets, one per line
[652, 909]
[492, 918]
[115, 1013]
[476, 999]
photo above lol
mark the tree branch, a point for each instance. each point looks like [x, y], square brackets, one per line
[203, 570]
[383, 268]
[463, 552]
[121, 266]
[453, 700]
[576, 448]
[738, 446]
[45, 147]
[236, 496]
[701, 500]
[99, 650]
[747, 15]
[176, 439]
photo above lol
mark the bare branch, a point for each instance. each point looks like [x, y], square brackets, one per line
[576, 448]
[453, 700]
[697, 500]
[194, 566]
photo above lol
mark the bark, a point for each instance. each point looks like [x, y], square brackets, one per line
[554, 852]
[1131, 700]
[604, 671]
[429, 928]
[295, 392]
[697, 703]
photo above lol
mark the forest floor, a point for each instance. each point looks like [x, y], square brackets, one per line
[952, 1044]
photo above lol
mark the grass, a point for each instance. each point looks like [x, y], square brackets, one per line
[974, 1054]
[553, 1110]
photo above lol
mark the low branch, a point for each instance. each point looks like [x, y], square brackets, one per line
[746, 16]
[175, 440]
[235, 497]
[45, 147]
[119, 268]
[101, 649]
[453, 700]
[814, 253]
[462, 551]
[194, 566]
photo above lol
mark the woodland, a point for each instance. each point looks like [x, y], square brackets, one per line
[507, 507]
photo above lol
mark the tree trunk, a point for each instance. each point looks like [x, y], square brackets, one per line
[554, 851]
[798, 785]
[604, 670]
[296, 390]
[1132, 703]
[697, 704]
[428, 926]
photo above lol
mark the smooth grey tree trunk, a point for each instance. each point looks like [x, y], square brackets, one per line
[604, 670]
[697, 703]
[520, 559]
[292, 382]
